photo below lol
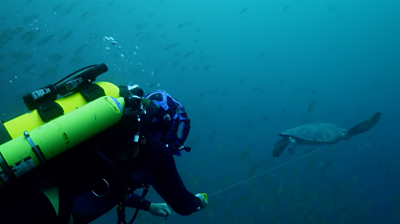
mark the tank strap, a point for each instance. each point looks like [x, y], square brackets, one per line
[91, 92]
[66, 203]
[49, 110]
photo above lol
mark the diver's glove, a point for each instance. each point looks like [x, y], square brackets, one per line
[203, 200]
[160, 209]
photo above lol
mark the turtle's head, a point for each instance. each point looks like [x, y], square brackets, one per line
[344, 134]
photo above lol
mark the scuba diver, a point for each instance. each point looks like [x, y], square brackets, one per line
[84, 153]
[153, 162]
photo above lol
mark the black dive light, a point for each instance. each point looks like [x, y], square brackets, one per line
[71, 83]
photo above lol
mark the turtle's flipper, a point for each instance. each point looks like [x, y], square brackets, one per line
[280, 146]
[292, 145]
[364, 126]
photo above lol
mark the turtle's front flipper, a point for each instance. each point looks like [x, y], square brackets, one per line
[292, 145]
[364, 126]
[280, 146]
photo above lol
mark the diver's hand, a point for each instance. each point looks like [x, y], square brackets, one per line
[160, 209]
[203, 200]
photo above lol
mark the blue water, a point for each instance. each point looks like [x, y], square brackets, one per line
[245, 71]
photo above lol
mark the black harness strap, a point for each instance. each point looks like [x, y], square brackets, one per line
[122, 205]
[65, 205]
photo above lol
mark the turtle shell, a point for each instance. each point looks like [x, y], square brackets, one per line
[316, 132]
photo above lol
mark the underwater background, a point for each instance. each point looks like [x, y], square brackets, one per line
[245, 71]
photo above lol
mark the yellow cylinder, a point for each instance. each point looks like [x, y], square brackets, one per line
[32, 119]
[55, 137]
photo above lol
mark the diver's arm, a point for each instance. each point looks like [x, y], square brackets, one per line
[167, 181]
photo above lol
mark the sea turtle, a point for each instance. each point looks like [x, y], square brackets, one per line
[320, 134]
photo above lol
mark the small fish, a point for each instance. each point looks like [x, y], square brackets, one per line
[4, 68]
[80, 49]
[314, 91]
[25, 35]
[212, 135]
[331, 113]
[243, 10]
[76, 60]
[84, 15]
[336, 115]
[45, 39]
[57, 7]
[56, 57]
[130, 10]
[29, 18]
[178, 53]
[65, 36]
[152, 84]
[29, 67]
[50, 71]
[170, 46]
[141, 26]
[181, 25]
[188, 54]
[7, 34]
[331, 8]
[180, 80]
[66, 10]
[202, 94]
[176, 63]
[111, 3]
[310, 107]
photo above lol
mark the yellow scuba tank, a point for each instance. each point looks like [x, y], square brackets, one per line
[55, 125]
[32, 119]
[44, 105]
[43, 143]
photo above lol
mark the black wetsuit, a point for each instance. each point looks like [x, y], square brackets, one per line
[156, 159]
[154, 164]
